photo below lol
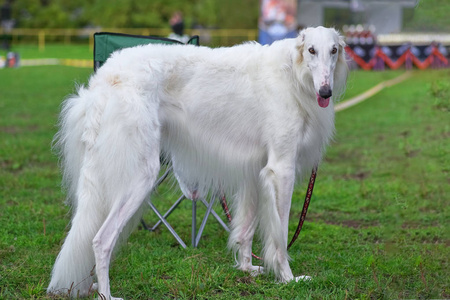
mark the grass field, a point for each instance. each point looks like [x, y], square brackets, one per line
[73, 51]
[376, 228]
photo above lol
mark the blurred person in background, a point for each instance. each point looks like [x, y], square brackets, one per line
[177, 25]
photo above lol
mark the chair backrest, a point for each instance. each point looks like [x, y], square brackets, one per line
[106, 43]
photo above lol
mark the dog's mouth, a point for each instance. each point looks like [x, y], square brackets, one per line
[323, 102]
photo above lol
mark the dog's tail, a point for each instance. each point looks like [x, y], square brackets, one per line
[109, 147]
[73, 270]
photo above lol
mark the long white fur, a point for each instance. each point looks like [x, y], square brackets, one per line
[243, 120]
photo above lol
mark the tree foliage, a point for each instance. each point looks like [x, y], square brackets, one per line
[134, 13]
[428, 15]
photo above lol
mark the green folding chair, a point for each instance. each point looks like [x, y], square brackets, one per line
[106, 43]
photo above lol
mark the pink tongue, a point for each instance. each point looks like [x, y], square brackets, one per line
[323, 102]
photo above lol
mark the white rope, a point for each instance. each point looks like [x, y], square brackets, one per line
[371, 92]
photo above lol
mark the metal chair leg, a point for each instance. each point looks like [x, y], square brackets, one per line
[213, 212]
[202, 226]
[167, 214]
[172, 231]
[195, 236]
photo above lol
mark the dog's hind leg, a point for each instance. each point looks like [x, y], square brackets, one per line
[106, 238]
[243, 228]
[133, 180]
[128, 162]
[275, 192]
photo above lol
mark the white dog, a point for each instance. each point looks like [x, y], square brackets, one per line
[246, 120]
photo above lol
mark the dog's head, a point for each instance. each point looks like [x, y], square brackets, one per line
[321, 50]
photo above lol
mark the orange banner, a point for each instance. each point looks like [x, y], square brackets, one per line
[405, 57]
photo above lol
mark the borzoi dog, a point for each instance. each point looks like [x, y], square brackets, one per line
[246, 120]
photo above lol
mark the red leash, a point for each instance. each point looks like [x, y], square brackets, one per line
[308, 195]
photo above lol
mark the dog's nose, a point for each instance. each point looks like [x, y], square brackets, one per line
[325, 91]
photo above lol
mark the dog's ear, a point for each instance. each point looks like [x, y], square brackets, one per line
[341, 71]
[300, 45]
[299, 49]
[302, 34]
[342, 43]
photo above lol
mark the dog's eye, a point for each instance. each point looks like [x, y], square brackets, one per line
[334, 51]
[312, 51]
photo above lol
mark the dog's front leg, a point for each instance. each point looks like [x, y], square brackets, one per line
[275, 191]
[243, 228]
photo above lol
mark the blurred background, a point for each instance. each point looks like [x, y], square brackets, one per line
[378, 32]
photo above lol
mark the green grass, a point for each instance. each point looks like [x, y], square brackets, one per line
[74, 51]
[360, 81]
[376, 226]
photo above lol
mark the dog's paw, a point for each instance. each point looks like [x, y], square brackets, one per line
[302, 278]
[256, 270]
[101, 297]
[253, 270]
[295, 279]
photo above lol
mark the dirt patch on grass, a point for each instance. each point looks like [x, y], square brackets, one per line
[358, 175]
[13, 130]
[11, 166]
[331, 219]
[418, 225]
[357, 224]
[245, 280]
